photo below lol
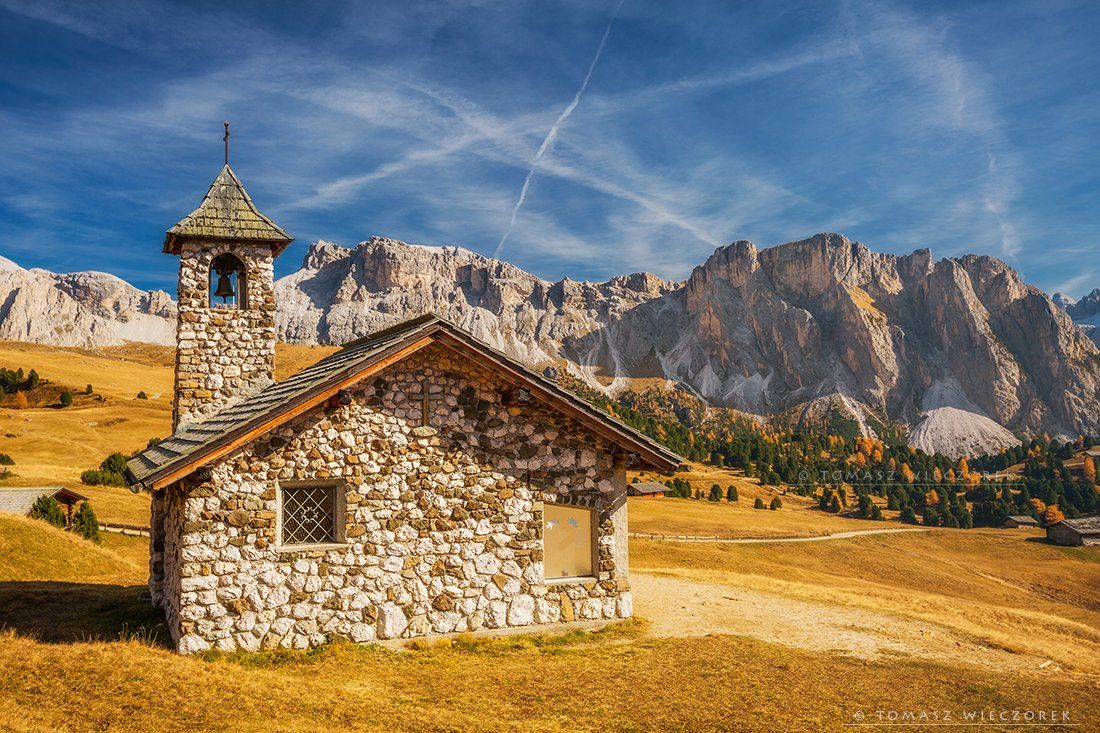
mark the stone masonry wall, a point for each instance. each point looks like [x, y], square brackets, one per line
[222, 355]
[443, 526]
[166, 547]
[156, 548]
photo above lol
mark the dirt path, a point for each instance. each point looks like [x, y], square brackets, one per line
[684, 608]
[758, 540]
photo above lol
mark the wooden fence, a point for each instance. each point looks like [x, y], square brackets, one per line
[126, 529]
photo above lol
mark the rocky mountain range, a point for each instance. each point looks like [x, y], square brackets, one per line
[80, 309]
[959, 349]
[1084, 312]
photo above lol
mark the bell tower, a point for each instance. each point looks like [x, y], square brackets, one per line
[225, 332]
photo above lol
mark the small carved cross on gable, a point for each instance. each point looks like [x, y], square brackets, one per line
[424, 396]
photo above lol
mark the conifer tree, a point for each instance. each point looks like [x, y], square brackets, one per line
[47, 509]
[85, 523]
[758, 504]
[731, 493]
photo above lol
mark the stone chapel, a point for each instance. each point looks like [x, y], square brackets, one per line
[416, 482]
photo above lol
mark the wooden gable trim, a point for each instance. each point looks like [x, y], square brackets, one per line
[437, 332]
[306, 403]
[596, 422]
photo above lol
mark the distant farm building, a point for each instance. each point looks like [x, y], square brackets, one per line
[20, 499]
[1083, 531]
[648, 489]
[1020, 520]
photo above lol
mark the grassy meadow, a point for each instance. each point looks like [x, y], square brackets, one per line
[82, 651]
[52, 446]
[774, 636]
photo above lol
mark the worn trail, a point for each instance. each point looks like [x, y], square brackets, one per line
[761, 540]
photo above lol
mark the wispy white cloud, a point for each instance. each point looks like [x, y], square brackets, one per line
[552, 133]
[1076, 283]
[877, 118]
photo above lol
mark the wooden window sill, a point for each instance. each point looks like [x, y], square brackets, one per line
[286, 549]
[575, 580]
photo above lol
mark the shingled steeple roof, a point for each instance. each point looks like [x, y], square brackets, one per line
[227, 214]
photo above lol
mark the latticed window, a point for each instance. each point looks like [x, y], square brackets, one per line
[310, 513]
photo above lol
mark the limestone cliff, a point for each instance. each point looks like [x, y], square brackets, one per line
[947, 346]
[80, 309]
[1084, 312]
[959, 349]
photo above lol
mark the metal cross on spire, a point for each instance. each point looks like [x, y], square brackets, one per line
[226, 139]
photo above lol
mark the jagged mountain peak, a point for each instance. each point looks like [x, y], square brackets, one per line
[81, 309]
[796, 328]
[1084, 312]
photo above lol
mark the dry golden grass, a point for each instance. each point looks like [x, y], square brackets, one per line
[70, 660]
[582, 682]
[797, 518]
[56, 586]
[53, 446]
[84, 651]
[33, 550]
[1000, 588]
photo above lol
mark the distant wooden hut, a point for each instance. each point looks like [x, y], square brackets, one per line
[20, 499]
[1083, 531]
[647, 489]
[1020, 520]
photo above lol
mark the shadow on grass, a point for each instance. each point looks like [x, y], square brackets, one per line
[63, 613]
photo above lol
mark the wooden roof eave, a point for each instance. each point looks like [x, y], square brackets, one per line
[173, 243]
[651, 453]
[251, 430]
[66, 495]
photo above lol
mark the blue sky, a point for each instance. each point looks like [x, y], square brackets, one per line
[575, 138]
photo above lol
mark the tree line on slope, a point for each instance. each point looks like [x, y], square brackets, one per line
[843, 470]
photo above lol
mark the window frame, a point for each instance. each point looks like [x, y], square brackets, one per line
[594, 535]
[339, 489]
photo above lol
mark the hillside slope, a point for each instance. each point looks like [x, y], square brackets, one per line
[33, 550]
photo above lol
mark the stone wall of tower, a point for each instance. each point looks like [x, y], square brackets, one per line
[222, 355]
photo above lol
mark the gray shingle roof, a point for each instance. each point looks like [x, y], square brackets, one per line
[226, 214]
[1023, 518]
[20, 499]
[648, 487]
[190, 445]
[1084, 525]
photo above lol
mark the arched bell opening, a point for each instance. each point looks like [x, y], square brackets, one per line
[228, 283]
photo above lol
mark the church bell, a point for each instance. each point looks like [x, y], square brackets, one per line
[225, 288]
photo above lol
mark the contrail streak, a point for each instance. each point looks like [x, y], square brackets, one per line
[553, 132]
